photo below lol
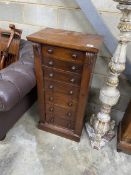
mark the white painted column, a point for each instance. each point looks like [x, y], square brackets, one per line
[101, 127]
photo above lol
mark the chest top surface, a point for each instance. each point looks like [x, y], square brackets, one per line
[67, 39]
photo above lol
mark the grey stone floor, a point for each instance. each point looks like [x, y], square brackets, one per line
[29, 151]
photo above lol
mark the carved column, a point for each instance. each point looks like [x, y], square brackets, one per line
[101, 127]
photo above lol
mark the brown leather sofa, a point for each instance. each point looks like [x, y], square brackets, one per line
[17, 88]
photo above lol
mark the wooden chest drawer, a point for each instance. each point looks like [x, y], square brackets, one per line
[55, 74]
[60, 87]
[54, 120]
[63, 65]
[61, 100]
[60, 112]
[64, 54]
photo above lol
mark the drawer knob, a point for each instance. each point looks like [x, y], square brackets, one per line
[69, 114]
[69, 125]
[73, 67]
[51, 109]
[50, 51]
[70, 104]
[72, 80]
[52, 120]
[51, 75]
[51, 63]
[71, 92]
[51, 86]
[51, 98]
[74, 56]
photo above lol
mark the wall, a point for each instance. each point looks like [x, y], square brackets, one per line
[32, 15]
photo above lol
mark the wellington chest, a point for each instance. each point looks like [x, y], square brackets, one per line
[63, 64]
[124, 132]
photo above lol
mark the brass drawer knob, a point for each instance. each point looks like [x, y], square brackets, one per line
[69, 125]
[73, 67]
[70, 104]
[52, 120]
[51, 86]
[51, 98]
[69, 114]
[72, 80]
[50, 51]
[51, 63]
[51, 109]
[71, 92]
[74, 56]
[51, 75]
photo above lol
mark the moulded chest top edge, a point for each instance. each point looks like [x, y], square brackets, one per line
[67, 39]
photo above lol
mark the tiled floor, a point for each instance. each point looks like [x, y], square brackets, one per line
[29, 151]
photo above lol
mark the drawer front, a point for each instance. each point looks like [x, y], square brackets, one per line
[64, 54]
[55, 74]
[52, 86]
[62, 100]
[60, 122]
[63, 65]
[60, 112]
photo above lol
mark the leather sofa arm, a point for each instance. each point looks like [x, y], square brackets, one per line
[17, 79]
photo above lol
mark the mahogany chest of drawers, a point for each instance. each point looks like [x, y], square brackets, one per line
[124, 132]
[63, 66]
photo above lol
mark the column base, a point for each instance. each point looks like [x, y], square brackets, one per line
[98, 142]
